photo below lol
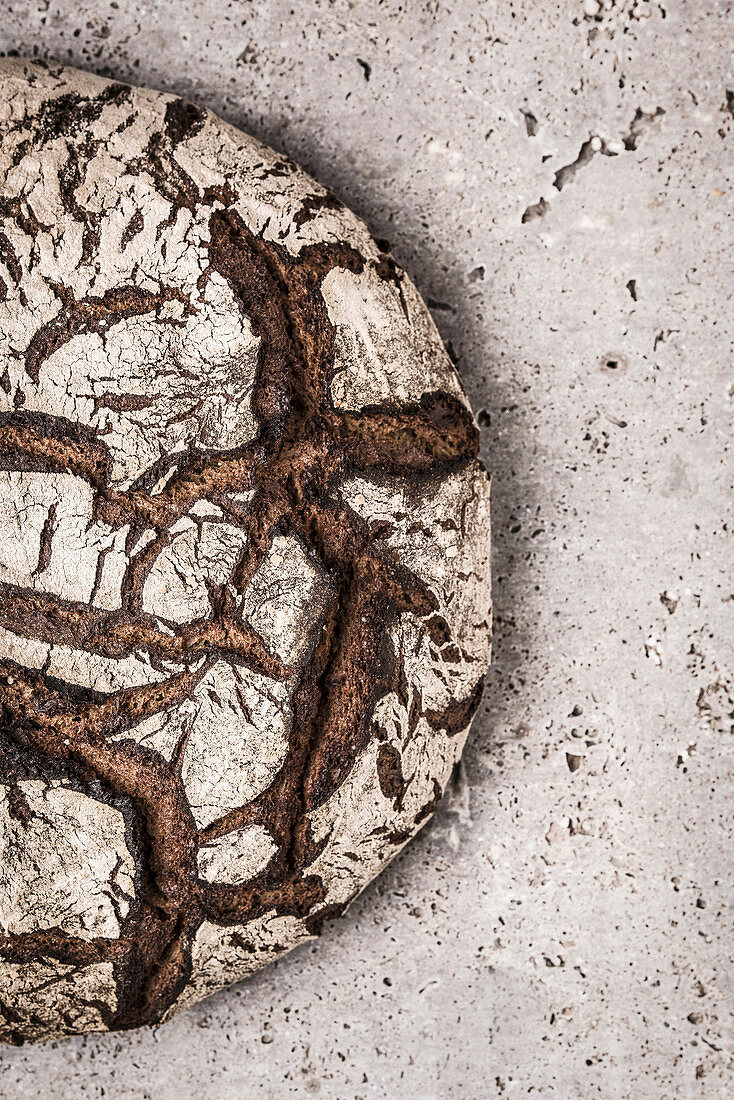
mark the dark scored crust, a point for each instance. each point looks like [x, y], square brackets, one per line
[304, 450]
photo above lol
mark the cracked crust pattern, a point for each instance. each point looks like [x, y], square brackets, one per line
[244, 555]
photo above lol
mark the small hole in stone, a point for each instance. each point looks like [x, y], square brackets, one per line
[613, 362]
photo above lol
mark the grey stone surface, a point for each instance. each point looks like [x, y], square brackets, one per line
[561, 927]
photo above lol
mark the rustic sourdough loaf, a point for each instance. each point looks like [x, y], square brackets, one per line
[244, 555]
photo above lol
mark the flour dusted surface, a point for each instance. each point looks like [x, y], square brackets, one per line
[244, 555]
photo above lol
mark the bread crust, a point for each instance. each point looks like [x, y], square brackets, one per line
[244, 555]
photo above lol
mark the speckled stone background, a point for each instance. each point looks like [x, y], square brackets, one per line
[556, 177]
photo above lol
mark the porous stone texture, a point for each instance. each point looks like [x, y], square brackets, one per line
[560, 928]
[244, 555]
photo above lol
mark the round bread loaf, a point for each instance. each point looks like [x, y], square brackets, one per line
[244, 555]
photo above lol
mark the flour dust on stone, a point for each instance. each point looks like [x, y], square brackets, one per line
[244, 555]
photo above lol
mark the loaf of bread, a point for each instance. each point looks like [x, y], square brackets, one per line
[244, 555]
